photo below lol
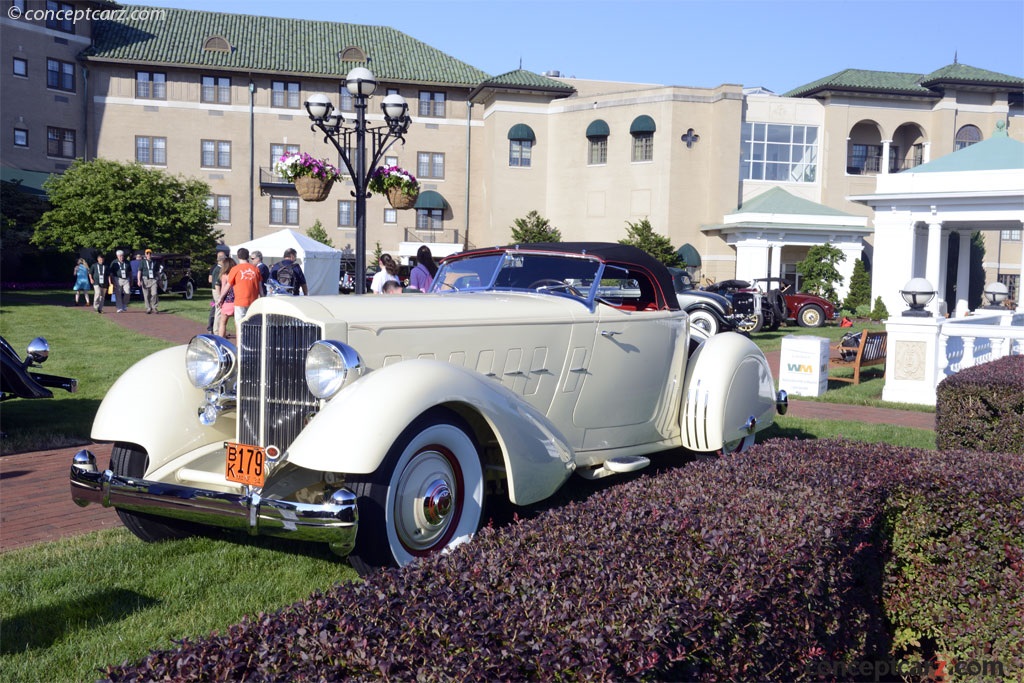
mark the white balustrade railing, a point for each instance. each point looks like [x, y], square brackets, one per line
[979, 338]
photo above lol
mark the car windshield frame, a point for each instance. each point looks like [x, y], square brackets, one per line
[574, 276]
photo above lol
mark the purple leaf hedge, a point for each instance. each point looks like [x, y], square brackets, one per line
[757, 567]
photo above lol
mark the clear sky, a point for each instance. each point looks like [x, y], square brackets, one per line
[772, 43]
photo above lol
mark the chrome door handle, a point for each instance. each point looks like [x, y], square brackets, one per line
[609, 333]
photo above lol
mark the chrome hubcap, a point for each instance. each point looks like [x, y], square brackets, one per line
[426, 504]
[437, 503]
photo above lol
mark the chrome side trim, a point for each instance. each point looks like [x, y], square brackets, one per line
[334, 522]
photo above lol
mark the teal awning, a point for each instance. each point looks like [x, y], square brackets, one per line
[689, 255]
[597, 129]
[429, 199]
[521, 132]
[642, 124]
[31, 182]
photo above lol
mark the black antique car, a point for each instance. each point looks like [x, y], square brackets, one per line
[175, 275]
[17, 379]
[711, 312]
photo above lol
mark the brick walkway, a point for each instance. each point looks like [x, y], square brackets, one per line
[35, 499]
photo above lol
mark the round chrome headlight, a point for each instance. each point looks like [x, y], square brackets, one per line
[328, 366]
[209, 360]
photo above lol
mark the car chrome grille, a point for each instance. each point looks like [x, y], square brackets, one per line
[273, 399]
[743, 302]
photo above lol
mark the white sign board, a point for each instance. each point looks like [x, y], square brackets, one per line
[803, 365]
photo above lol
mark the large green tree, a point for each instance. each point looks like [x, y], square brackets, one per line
[819, 272]
[534, 229]
[642, 235]
[104, 204]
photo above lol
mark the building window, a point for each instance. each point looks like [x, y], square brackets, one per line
[222, 204]
[284, 211]
[430, 219]
[390, 215]
[597, 153]
[965, 137]
[60, 142]
[519, 153]
[346, 214]
[430, 165]
[216, 154]
[774, 151]
[150, 85]
[284, 94]
[216, 89]
[431, 104]
[150, 150]
[391, 161]
[20, 67]
[20, 137]
[864, 159]
[59, 16]
[278, 150]
[60, 75]
[1012, 235]
[643, 147]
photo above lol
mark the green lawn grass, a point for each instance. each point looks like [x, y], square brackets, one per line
[73, 605]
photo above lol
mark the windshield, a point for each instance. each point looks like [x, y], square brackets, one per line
[566, 275]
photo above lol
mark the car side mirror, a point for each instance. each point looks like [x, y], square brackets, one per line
[38, 350]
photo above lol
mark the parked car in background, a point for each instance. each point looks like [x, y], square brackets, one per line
[808, 310]
[18, 378]
[711, 312]
[747, 303]
[382, 425]
[175, 276]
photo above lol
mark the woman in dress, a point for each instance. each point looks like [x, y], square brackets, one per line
[422, 275]
[83, 281]
[388, 271]
[227, 309]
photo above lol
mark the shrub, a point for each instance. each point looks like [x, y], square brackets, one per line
[864, 311]
[879, 312]
[757, 567]
[859, 293]
[982, 407]
[954, 589]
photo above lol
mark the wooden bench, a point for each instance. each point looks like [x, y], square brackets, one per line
[870, 351]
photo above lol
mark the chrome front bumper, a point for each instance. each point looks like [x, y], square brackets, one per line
[333, 522]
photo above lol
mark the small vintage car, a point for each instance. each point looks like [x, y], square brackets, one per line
[175, 276]
[381, 424]
[808, 310]
[711, 312]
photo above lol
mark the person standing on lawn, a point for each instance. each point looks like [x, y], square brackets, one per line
[100, 277]
[83, 282]
[244, 279]
[149, 273]
[121, 278]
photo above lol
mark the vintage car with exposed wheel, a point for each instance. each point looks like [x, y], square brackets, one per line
[708, 311]
[174, 276]
[807, 310]
[381, 425]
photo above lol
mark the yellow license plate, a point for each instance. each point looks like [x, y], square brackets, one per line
[245, 464]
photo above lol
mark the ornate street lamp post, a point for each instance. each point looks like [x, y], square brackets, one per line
[339, 132]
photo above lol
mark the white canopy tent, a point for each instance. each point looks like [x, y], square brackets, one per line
[320, 264]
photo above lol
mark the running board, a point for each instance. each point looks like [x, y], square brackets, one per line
[617, 465]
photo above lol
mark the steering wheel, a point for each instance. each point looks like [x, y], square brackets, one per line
[549, 284]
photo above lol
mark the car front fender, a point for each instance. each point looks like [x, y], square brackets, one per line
[728, 381]
[154, 405]
[353, 431]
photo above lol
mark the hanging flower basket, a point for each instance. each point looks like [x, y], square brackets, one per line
[312, 177]
[313, 189]
[398, 185]
[400, 199]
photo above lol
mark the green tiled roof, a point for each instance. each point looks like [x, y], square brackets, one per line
[522, 77]
[777, 200]
[1000, 152]
[276, 45]
[896, 83]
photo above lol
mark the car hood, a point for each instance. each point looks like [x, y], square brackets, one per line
[693, 295]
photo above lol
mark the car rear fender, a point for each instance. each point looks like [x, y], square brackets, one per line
[354, 430]
[728, 381]
[155, 406]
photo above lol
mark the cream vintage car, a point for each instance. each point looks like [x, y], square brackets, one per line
[379, 424]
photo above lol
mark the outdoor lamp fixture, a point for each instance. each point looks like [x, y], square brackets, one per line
[996, 293]
[338, 131]
[918, 292]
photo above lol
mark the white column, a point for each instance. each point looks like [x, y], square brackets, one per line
[776, 260]
[884, 162]
[963, 274]
[751, 259]
[933, 263]
[1020, 281]
[893, 258]
[926, 156]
